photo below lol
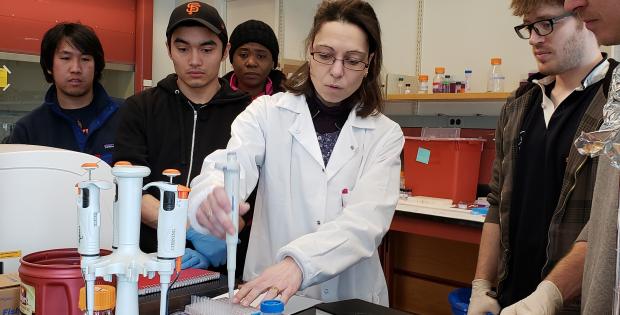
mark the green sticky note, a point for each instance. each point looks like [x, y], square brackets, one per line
[424, 155]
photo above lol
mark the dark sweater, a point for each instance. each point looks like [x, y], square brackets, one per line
[541, 162]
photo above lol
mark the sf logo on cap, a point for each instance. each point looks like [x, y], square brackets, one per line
[192, 7]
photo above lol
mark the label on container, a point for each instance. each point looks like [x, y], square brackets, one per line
[423, 156]
[27, 299]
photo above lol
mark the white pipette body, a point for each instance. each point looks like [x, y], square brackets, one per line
[231, 185]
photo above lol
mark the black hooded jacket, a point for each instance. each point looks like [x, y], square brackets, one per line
[160, 128]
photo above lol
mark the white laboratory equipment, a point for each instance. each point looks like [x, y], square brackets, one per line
[37, 190]
[231, 185]
[127, 261]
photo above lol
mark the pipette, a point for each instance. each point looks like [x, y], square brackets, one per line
[170, 229]
[231, 185]
[89, 224]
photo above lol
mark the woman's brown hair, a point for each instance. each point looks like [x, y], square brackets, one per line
[360, 14]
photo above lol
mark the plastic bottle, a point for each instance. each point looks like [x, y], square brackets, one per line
[401, 84]
[423, 86]
[459, 87]
[467, 81]
[105, 300]
[271, 307]
[495, 82]
[407, 88]
[445, 85]
[438, 79]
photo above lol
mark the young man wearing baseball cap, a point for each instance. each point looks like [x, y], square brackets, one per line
[254, 53]
[180, 121]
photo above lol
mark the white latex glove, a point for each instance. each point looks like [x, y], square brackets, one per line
[546, 300]
[479, 302]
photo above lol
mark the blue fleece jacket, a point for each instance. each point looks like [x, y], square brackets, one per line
[48, 125]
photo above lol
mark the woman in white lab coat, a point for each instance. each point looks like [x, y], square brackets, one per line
[328, 163]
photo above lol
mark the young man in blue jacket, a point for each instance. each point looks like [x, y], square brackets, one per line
[77, 113]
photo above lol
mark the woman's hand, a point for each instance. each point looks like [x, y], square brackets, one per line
[283, 278]
[214, 213]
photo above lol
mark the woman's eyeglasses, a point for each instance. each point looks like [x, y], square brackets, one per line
[329, 59]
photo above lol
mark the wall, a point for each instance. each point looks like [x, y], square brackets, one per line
[24, 22]
[298, 16]
[161, 63]
[398, 35]
[460, 34]
[454, 34]
[398, 20]
[451, 36]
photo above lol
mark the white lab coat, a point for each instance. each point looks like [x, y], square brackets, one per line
[299, 206]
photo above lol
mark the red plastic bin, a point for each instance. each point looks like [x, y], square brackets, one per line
[443, 167]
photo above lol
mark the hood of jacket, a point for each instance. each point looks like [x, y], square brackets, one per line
[223, 96]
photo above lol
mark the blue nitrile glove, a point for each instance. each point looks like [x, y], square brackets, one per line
[194, 259]
[213, 248]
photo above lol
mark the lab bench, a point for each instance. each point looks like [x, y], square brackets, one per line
[428, 252]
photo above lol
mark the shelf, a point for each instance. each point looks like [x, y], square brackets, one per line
[446, 97]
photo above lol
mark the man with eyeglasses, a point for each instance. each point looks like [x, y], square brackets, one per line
[541, 188]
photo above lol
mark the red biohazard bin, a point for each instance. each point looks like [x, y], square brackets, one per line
[443, 167]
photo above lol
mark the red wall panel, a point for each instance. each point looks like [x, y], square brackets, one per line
[24, 22]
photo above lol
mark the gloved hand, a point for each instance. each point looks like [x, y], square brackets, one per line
[194, 259]
[545, 300]
[211, 247]
[479, 302]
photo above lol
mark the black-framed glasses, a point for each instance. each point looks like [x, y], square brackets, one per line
[329, 59]
[542, 27]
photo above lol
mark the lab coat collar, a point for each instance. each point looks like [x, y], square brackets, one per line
[302, 129]
[293, 103]
[359, 122]
[301, 106]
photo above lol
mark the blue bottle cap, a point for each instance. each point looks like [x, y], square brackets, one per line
[272, 306]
